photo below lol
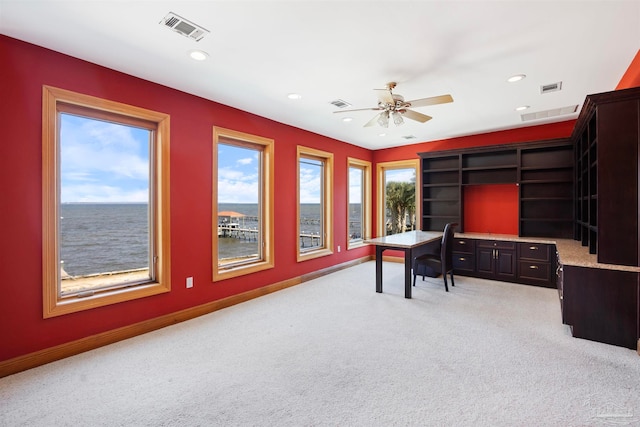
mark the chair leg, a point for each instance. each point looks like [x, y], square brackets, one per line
[452, 283]
[446, 287]
[414, 278]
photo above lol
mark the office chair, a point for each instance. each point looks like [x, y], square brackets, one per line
[439, 263]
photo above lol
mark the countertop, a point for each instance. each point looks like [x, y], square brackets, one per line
[571, 251]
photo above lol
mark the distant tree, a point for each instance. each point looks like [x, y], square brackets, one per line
[401, 204]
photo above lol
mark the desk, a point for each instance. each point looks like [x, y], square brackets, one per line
[407, 242]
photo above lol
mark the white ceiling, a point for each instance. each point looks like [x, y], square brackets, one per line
[260, 51]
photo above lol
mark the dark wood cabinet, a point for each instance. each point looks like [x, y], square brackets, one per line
[464, 256]
[600, 304]
[606, 139]
[543, 170]
[496, 260]
[536, 266]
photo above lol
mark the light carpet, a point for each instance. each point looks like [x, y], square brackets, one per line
[332, 351]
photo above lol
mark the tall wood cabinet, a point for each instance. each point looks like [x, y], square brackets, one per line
[606, 139]
[543, 170]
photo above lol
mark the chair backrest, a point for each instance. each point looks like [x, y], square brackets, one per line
[446, 250]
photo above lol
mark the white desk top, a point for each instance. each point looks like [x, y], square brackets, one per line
[408, 239]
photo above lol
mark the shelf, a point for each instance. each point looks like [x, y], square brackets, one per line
[546, 181]
[489, 168]
[440, 170]
[444, 184]
[535, 199]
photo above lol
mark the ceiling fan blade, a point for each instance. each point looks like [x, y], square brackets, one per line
[373, 121]
[384, 95]
[414, 115]
[442, 99]
[359, 109]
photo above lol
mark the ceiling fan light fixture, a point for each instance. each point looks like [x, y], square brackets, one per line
[397, 118]
[383, 119]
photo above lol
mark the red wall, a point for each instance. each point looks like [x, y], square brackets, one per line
[491, 209]
[25, 69]
[631, 77]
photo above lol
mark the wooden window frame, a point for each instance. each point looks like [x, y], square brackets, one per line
[365, 166]
[327, 200]
[381, 168]
[57, 100]
[266, 146]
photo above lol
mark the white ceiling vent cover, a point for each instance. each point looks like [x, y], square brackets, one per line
[552, 87]
[340, 103]
[549, 113]
[184, 27]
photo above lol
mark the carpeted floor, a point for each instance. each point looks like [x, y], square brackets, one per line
[334, 352]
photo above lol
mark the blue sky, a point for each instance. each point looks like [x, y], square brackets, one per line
[238, 174]
[103, 162]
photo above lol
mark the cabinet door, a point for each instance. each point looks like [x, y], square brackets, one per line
[505, 264]
[484, 261]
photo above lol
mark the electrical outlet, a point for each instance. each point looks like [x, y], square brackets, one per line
[189, 282]
[338, 248]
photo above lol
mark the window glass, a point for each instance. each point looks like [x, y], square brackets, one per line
[356, 211]
[358, 203]
[104, 211]
[311, 204]
[400, 200]
[239, 204]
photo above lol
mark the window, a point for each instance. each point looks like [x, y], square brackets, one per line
[105, 196]
[242, 203]
[315, 184]
[359, 202]
[397, 187]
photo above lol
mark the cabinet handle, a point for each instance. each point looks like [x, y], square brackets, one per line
[533, 248]
[533, 267]
[462, 259]
[462, 242]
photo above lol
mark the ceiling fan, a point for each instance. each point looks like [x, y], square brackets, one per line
[395, 107]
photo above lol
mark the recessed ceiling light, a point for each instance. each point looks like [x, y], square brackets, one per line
[516, 78]
[294, 96]
[382, 134]
[198, 55]
[347, 119]
[522, 107]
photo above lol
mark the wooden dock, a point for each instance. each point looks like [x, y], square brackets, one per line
[251, 234]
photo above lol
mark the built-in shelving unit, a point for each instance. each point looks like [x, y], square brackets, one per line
[441, 196]
[543, 170]
[607, 154]
[546, 191]
[586, 189]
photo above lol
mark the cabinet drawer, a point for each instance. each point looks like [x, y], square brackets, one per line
[463, 262]
[533, 270]
[496, 244]
[464, 245]
[535, 251]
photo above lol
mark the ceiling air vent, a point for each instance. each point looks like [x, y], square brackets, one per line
[340, 103]
[553, 87]
[549, 113]
[184, 27]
